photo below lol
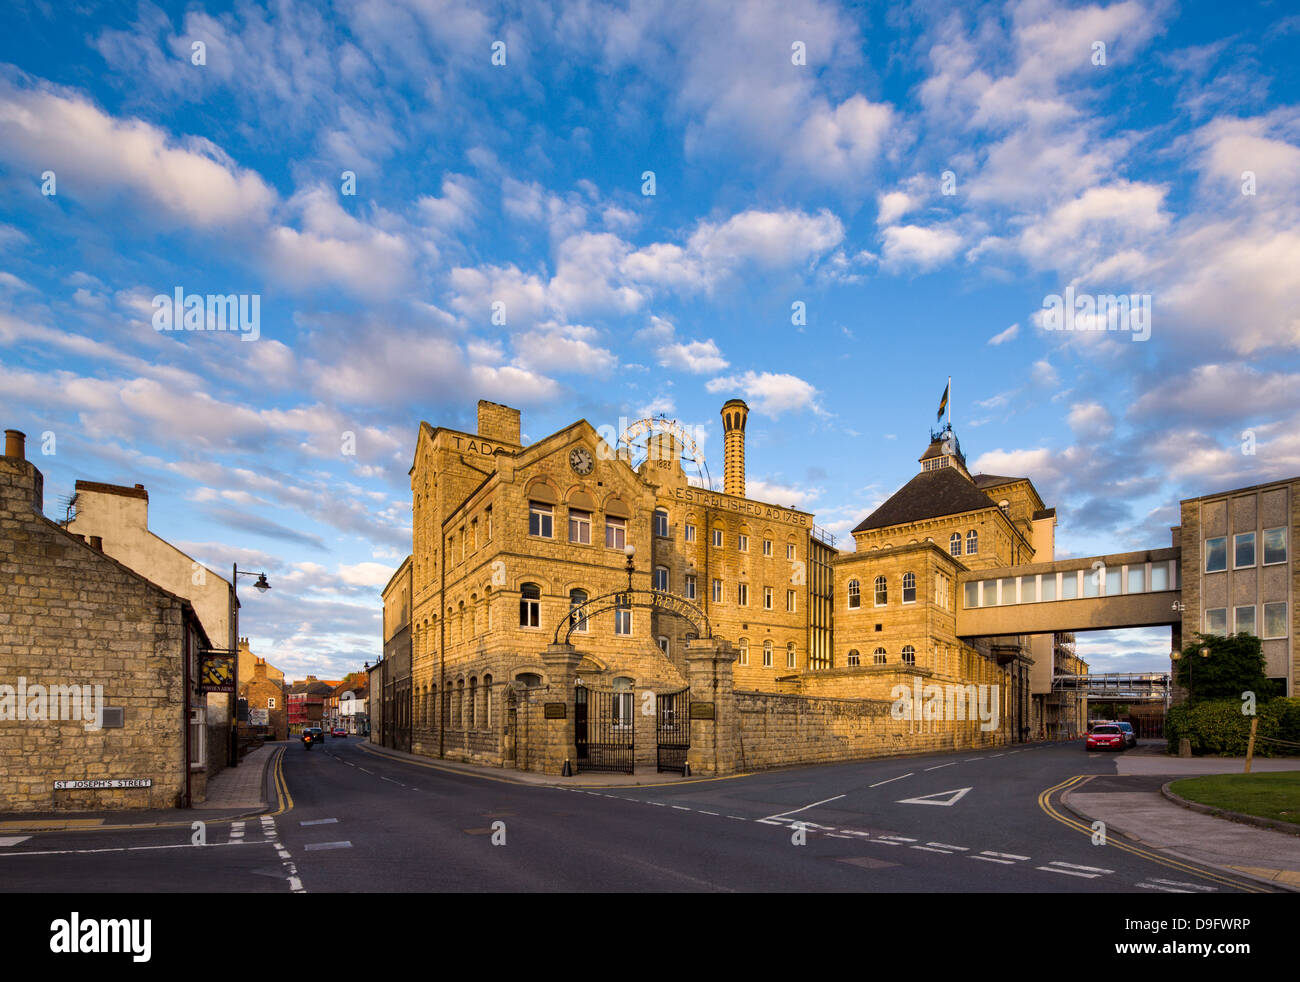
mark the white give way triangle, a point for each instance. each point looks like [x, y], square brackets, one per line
[949, 798]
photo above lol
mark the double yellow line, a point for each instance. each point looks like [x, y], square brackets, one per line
[283, 798]
[1045, 803]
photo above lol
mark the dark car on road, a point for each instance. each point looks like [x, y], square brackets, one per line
[313, 734]
[1130, 738]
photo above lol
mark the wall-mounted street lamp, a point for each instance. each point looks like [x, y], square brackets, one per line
[261, 586]
[630, 551]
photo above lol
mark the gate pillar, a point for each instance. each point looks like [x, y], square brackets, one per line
[713, 740]
[561, 661]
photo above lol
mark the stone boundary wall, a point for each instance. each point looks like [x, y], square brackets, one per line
[781, 730]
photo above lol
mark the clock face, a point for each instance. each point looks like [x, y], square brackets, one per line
[581, 461]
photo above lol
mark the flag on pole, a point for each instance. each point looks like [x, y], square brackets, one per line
[943, 403]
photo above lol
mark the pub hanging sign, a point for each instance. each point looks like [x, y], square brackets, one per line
[216, 671]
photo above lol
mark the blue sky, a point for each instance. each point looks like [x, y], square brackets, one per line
[776, 183]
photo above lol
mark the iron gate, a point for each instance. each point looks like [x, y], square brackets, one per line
[673, 730]
[603, 730]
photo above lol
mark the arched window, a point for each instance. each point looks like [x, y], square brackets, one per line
[854, 658]
[909, 588]
[790, 658]
[879, 658]
[855, 595]
[744, 651]
[530, 605]
[661, 578]
[954, 544]
[433, 706]
[909, 655]
[487, 701]
[972, 542]
[460, 704]
[473, 702]
[576, 599]
[661, 522]
[882, 591]
[531, 680]
[1006, 507]
[622, 702]
[767, 654]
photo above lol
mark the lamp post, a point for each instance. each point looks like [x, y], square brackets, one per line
[629, 551]
[1191, 674]
[261, 586]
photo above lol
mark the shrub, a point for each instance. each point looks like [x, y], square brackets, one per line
[1220, 729]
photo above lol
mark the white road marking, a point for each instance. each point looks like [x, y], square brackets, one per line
[943, 852]
[391, 781]
[990, 859]
[969, 759]
[316, 846]
[88, 852]
[295, 885]
[957, 794]
[991, 756]
[944, 845]
[703, 812]
[738, 818]
[1153, 886]
[681, 808]
[796, 811]
[1190, 886]
[886, 842]
[897, 838]
[1067, 872]
[937, 766]
[891, 780]
[320, 821]
[1087, 869]
[363, 770]
[657, 804]
[13, 840]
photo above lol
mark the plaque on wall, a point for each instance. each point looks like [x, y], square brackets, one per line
[701, 710]
[555, 710]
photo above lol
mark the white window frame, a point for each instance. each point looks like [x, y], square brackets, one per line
[742, 542]
[742, 594]
[767, 654]
[690, 587]
[198, 737]
[790, 601]
[661, 520]
[954, 540]
[623, 621]
[744, 651]
[1254, 548]
[904, 593]
[767, 547]
[717, 538]
[1206, 551]
[789, 550]
[768, 598]
[1285, 546]
[661, 581]
[545, 519]
[1286, 611]
[972, 540]
[791, 655]
[689, 532]
[1254, 616]
[717, 591]
[853, 594]
[533, 612]
[616, 530]
[908, 655]
[579, 521]
[1208, 629]
[880, 585]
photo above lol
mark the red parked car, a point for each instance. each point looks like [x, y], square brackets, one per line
[1107, 736]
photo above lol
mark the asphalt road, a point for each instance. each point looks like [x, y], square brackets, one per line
[358, 821]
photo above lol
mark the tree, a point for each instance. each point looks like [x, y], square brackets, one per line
[1234, 665]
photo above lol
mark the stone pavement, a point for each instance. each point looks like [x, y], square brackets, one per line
[1131, 804]
[242, 787]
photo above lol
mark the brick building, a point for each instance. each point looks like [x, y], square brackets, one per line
[264, 691]
[75, 621]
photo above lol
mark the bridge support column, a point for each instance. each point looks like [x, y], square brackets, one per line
[713, 740]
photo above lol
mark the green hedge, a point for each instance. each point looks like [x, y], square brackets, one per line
[1218, 728]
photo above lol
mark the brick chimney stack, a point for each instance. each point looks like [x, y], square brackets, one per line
[734, 416]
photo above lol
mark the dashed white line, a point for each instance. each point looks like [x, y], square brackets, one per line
[1067, 872]
[1086, 869]
[891, 780]
[320, 821]
[681, 808]
[796, 811]
[943, 852]
[703, 812]
[1155, 886]
[991, 859]
[937, 766]
[1179, 883]
[1004, 855]
[317, 846]
[944, 845]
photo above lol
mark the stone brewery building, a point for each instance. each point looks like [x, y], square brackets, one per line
[99, 699]
[558, 601]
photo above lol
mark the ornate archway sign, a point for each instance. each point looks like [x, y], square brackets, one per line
[664, 603]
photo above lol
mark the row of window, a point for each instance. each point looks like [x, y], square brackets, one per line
[791, 658]
[1245, 622]
[461, 706]
[530, 610]
[1244, 551]
[881, 589]
[541, 523]
[469, 536]
[972, 543]
[881, 657]
[1100, 581]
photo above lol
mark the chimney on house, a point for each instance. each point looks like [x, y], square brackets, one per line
[498, 423]
[16, 444]
[734, 416]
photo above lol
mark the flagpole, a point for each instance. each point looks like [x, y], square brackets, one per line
[949, 402]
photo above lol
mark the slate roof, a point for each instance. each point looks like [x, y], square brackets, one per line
[931, 494]
[993, 480]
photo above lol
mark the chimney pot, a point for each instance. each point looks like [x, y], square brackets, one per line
[15, 444]
[97, 543]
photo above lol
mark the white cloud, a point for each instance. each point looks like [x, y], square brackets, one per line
[769, 393]
[914, 245]
[1004, 336]
[697, 357]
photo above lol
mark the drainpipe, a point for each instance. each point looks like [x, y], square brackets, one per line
[185, 706]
